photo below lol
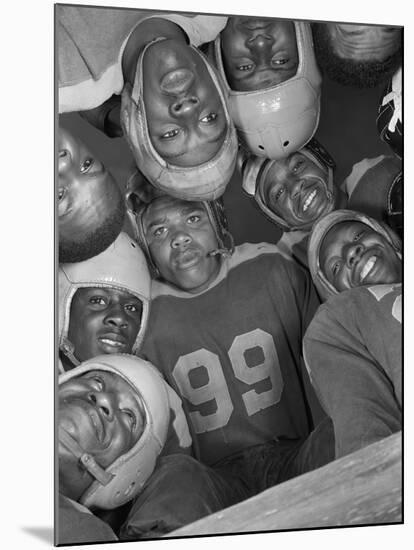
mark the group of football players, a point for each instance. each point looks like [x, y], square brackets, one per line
[196, 371]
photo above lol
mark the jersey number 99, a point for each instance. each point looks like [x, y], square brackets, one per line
[215, 388]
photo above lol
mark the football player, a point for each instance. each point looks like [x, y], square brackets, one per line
[173, 112]
[293, 192]
[272, 81]
[103, 309]
[225, 329]
[353, 353]
[349, 249]
[358, 55]
[91, 208]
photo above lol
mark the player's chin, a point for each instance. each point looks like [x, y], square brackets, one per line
[196, 277]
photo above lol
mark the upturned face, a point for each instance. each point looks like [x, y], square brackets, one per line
[103, 413]
[296, 190]
[364, 42]
[103, 320]
[180, 238]
[258, 53]
[185, 115]
[86, 190]
[353, 254]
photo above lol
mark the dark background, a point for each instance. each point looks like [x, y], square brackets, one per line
[347, 129]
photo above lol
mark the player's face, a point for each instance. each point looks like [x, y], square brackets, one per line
[258, 53]
[185, 115]
[353, 254]
[86, 190]
[364, 42]
[296, 190]
[103, 413]
[180, 238]
[103, 320]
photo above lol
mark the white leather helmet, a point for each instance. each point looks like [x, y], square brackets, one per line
[320, 229]
[121, 266]
[125, 477]
[277, 121]
[253, 170]
[206, 181]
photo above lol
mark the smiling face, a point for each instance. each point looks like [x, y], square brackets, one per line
[103, 413]
[296, 190]
[353, 254]
[258, 53]
[180, 238]
[185, 115]
[103, 320]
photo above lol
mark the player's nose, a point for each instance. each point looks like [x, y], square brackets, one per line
[353, 253]
[64, 161]
[181, 239]
[184, 106]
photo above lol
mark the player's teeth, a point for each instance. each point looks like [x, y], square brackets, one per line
[309, 200]
[367, 267]
[111, 342]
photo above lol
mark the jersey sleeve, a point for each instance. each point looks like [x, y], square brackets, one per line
[199, 28]
[178, 437]
[352, 385]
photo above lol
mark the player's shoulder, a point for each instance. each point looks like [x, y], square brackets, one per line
[364, 301]
[255, 251]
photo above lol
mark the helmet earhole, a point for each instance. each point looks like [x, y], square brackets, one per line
[285, 143]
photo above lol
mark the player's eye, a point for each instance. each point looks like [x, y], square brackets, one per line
[279, 61]
[131, 418]
[211, 117]
[97, 300]
[170, 134]
[276, 196]
[358, 235]
[335, 268]
[245, 67]
[194, 218]
[61, 193]
[133, 308]
[86, 165]
[298, 166]
[159, 231]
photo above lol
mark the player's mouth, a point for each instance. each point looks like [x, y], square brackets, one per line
[177, 81]
[113, 342]
[311, 200]
[366, 268]
[97, 423]
[187, 259]
[252, 24]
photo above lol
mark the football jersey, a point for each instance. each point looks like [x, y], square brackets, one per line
[353, 353]
[233, 351]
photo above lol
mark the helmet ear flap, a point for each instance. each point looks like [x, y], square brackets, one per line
[138, 195]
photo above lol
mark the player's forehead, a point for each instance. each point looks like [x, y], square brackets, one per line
[112, 292]
[341, 232]
[164, 208]
[112, 382]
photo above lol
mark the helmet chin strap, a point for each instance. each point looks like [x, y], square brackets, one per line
[68, 349]
[225, 252]
[87, 460]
